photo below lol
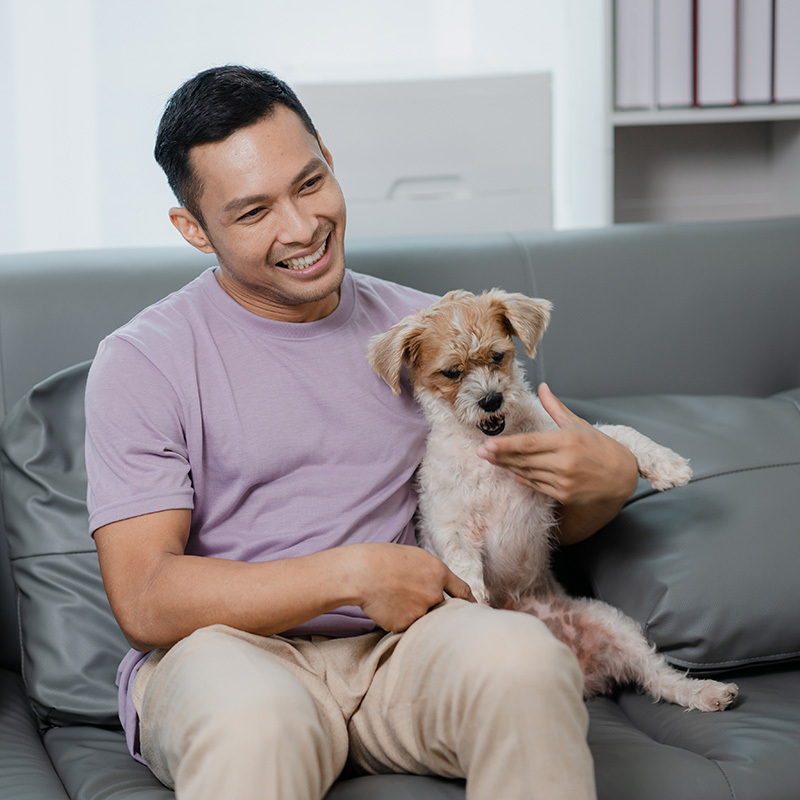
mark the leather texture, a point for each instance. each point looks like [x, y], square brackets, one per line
[641, 750]
[708, 569]
[71, 645]
[658, 751]
[25, 769]
[708, 311]
[94, 764]
[55, 307]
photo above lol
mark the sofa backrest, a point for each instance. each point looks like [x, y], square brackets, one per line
[639, 309]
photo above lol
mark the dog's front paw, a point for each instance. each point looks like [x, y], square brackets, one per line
[665, 469]
[481, 595]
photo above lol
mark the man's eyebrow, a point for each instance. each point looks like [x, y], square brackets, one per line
[241, 203]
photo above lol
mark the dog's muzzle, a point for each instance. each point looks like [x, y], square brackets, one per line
[493, 425]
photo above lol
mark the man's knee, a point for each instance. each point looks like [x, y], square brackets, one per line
[512, 652]
[267, 721]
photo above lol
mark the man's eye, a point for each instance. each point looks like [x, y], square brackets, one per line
[309, 184]
[452, 374]
[497, 358]
[253, 212]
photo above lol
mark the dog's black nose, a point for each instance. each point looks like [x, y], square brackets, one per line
[491, 402]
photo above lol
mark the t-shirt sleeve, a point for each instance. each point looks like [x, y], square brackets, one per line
[136, 455]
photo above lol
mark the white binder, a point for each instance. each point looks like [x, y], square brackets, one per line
[787, 51]
[674, 53]
[755, 51]
[717, 35]
[634, 61]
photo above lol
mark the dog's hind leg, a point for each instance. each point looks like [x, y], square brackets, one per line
[612, 649]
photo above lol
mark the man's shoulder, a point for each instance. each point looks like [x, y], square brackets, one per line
[159, 336]
[403, 299]
[167, 319]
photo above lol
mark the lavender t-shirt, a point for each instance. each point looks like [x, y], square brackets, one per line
[278, 436]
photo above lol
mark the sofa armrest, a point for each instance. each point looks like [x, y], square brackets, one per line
[26, 772]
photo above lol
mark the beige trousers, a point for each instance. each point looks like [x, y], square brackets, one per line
[466, 692]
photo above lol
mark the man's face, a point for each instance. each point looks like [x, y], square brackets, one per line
[275, 217]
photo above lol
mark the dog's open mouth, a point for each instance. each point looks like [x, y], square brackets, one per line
[493, 425]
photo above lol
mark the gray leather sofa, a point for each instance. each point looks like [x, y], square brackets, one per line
[689, 332]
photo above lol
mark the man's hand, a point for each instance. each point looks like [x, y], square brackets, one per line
[589, 473]
[159, 595]
[397, 584]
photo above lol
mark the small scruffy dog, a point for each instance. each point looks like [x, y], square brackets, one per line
[493, 532]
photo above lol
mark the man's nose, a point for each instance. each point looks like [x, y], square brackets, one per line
[297, 224]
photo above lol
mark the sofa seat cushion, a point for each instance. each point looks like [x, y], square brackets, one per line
[94, 764]
[708, 569]
[641, 750]
[660, 751]
[25, 769]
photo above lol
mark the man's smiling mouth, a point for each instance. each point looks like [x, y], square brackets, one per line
[306, 261]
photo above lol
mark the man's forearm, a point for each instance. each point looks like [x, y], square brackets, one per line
[579, 522]
[184, 593]
[159, 595]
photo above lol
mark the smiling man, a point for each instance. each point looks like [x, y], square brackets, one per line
[251, 499]
[278, 234]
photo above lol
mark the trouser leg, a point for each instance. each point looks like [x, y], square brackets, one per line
[484, 694]
[223, 717]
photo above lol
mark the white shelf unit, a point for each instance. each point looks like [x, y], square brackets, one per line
[699, 164]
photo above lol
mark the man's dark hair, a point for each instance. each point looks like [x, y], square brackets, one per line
[209, 108]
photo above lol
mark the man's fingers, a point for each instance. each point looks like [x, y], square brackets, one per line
[518, 447]
[456, 587]
[558, 412]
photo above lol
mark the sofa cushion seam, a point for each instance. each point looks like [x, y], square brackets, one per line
[15, 559]
[719, 474]
[725, 777]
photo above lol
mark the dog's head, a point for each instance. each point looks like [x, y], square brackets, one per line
[460, 354]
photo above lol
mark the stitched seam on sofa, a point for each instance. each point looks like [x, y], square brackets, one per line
[794, 402]
[17, 596]
[3, 402]
[721, 474]
[530, 280]
[530, 273]
[773, 657]
[54, 553]
[725, 776]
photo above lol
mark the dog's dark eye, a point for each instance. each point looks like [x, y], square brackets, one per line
[497, 358]
[452, 374]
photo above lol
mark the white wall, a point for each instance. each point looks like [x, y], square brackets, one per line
[83, 84]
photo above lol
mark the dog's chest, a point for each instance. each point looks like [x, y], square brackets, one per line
[460, 489]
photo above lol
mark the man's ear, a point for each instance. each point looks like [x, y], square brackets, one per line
[326, 154]
[190, 229]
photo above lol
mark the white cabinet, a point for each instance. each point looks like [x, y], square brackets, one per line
[445, 156]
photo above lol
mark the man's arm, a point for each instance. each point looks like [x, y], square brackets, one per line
[159, 595]
[590, 474]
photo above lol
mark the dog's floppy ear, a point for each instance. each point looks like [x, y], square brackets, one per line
[526, 317]
[400, 345]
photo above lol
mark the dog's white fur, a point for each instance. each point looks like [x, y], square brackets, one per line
[493, 532]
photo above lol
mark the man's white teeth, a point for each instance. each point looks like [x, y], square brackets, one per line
[306, 261]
